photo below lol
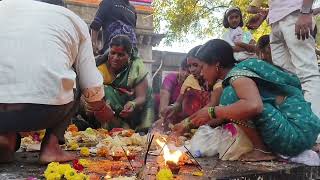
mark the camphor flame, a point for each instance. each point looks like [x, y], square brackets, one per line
[169, 155]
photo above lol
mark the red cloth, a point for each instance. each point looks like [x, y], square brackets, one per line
[193, 101]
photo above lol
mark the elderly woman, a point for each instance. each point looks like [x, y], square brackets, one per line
[266, 102]
[126, 86]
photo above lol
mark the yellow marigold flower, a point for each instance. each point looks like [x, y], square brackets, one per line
[49, 171]
[164, 174]
[42, 133]
[83, 176]
[84, 162]
[76, 177]
[63, 168]
[53, 176]
[74, 146]
[70, 174]
[198, 173]
[53, 164]
[84, 151]
[51, 168]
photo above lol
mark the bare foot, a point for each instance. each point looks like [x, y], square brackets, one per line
[52, 152]
[257, 155]
[55, 156]
[7, 146]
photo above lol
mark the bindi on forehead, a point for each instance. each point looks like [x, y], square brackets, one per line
[118, 49]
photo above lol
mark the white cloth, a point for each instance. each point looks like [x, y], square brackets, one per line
[278, 9]
[307, 157]
[298, 57]
[39, 44]
[233, 35]
[238, 35]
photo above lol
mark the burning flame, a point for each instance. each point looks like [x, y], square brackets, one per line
[169, 155]
[108, 176]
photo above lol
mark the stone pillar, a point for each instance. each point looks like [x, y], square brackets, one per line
[146, 38]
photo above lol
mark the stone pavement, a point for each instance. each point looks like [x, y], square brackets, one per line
[26, 166]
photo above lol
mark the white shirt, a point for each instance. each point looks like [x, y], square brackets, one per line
[39, 43]
[238, 35]
[278, 9]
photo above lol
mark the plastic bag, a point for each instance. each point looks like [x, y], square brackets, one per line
[206, 141]
[229, 141]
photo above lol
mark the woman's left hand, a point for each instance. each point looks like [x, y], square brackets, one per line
[201, 117]
[127, 110]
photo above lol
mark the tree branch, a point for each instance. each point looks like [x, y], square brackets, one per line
[215, 7]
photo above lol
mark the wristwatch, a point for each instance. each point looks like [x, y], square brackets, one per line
[306, 10]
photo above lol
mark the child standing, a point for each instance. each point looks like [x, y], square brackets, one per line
[242, 43]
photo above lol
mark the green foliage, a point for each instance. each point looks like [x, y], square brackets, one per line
[201, 18]
[243, 5]
[182, 17]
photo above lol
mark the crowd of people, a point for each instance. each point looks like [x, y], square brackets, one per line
[51, 77]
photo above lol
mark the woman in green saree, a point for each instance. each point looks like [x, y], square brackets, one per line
[266, 102]
[126, 86]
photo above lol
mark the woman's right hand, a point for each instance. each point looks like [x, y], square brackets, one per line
[179, 128]
[168, 111]
[176, 131]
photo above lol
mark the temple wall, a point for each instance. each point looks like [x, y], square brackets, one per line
[146, 37]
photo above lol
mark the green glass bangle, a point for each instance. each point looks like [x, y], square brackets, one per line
[211, 113]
